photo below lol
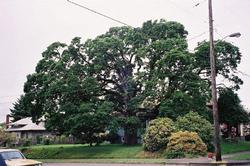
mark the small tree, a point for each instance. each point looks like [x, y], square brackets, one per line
[90, 122]
[193, 122]
[6, 138]
[157, 134]
[231, 112]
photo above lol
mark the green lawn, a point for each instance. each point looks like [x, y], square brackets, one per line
[241, 146]
[241, 157]
[117, 161]
[108, 151]
[84, 152]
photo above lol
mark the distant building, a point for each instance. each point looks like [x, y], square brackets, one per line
[26, 129]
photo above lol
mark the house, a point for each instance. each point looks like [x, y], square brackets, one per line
[26, 129]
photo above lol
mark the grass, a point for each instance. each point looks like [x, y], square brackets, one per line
[117, 161]
[79, 151]
[228, 148]
[241, 157]
[116, 152]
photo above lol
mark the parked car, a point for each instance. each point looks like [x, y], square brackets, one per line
[13, 157]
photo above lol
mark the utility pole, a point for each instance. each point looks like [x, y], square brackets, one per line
[213, 86]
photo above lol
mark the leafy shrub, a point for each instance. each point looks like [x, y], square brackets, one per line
[39, 139]
[193, 122]
[174, 154]
[6, 139]
[186, 142]
[46, 141]
[113, 138]
[157, 134]
[27, 142]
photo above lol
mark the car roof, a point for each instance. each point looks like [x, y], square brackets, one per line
[8, 150]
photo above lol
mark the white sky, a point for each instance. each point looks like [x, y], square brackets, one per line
[27, 27]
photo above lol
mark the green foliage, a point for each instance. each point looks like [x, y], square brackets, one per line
[228, 57]
[231, 111]
[6, 139]
[186, 142]
[27, 142]
[46, 141]
[157, 134]
[193, 122]
[108, 151]
[147, 68]
[90, 122]
[179, 104]
[19, 110]
[174, 154]
[131, 124]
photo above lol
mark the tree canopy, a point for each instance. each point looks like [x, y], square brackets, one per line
[231, 112]
[119, 75]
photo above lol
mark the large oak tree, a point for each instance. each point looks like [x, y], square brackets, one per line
[122, 77]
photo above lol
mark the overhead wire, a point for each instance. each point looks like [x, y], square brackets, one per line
[199, 3]
[121, 22]
[199, 35]
[187, 11]
[126, 24]
[244, 74]
[118, 21]
[191, 13]
[216, 31]
[98, 13]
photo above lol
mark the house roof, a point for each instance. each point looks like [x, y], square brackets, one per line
[28, 127]
[25, 124]
[24, 121]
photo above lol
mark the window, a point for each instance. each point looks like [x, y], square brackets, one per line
[12, 155]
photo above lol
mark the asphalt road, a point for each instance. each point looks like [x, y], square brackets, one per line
[85, 164]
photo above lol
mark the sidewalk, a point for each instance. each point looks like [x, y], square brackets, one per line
[206, 161]
[227, 160]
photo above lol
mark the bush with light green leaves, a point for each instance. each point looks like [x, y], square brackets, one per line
[186, 142]
[157, 134]
[193, 122]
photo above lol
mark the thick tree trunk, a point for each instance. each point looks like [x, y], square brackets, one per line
[130, 138]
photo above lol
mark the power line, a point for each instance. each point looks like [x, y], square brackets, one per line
[199, 3]
[191, 13]
[216, 31]
[187, 10]
[118, 21]
[199, 35]
[244, 74]
[98, 13]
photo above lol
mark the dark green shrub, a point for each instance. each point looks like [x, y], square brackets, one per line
[157, 134]
[26, 142]
[186, 142]
[193, 122]
[46, 141]
[39, 139]
[113, 138]
[174, 154]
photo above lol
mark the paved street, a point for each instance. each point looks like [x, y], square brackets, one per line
[85, 164]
